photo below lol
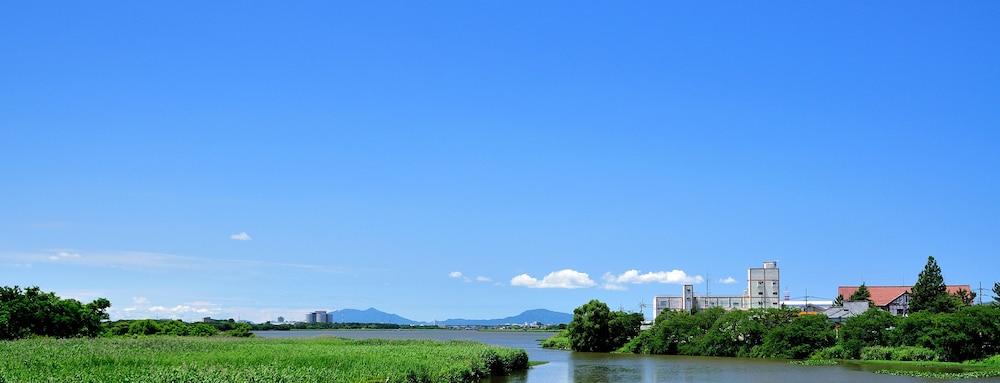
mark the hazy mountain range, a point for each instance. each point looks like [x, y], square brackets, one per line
[373, 315]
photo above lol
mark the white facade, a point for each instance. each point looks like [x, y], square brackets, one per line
[763, 287]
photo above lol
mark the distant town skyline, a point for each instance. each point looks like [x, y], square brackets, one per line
[475, 160]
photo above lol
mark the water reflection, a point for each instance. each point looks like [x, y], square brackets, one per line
[574, 367]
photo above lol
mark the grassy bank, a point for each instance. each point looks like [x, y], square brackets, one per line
[558, 341]
[175, 359]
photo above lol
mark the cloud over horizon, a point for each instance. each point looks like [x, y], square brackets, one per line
[633, 276]
[562, 279]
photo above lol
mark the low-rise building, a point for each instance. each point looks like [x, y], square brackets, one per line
[894, 299]
[839, 314]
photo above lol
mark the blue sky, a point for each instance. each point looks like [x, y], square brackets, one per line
[371, 150]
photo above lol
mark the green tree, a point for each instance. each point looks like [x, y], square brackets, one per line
[736, 333]
[966, 297]
[839, 302]
[862, 294]
[996, 293]
[30, 311]
[623, 327]
[871, 328]
[590, 330]
[797, 339]
[930, 292]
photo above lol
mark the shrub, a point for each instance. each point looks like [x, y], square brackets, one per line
[241, 330]
[832, 352]
[871, 328]
[559, 341]
[916, 354]
[901, 353]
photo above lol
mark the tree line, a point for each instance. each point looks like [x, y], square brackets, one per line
[940, 326]
[32, 312]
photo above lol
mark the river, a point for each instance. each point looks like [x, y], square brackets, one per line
[580, 367]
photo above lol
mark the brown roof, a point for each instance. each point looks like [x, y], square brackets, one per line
[882, 295]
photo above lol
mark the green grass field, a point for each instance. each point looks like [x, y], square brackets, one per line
[175, 359]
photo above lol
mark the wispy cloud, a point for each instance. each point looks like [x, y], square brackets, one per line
[482, 279]
[146, 260]
[63, 255]
[241, 236]
[562, 279]
[727, 280]
[618, 282]
[459, 275]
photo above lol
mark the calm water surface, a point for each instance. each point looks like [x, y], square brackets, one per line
[579, 367]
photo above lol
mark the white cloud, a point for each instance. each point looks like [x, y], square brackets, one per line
[181, 309]
[63, 255]
[614, 287]
[727, 280]
[483, 279]
[634, 277]
[140, 300]
[241, 236]
[459, 275]
[562, 279]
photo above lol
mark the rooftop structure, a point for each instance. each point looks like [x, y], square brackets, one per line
[894, 299]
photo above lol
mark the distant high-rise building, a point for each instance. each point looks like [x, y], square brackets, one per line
[318, 316]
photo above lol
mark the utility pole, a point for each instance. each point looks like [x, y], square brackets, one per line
[980, 292]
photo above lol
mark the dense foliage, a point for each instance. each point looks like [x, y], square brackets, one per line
[596, 328]
[176, 359]
[177, 328]
[32, 312]
[770, 333]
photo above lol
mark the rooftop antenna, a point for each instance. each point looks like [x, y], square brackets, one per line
[708, 285]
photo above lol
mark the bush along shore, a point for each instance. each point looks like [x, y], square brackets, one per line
[222, 359]
[44, 338]
[943, 336]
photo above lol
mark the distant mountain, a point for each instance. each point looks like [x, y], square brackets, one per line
[530, 316]
[371, 315]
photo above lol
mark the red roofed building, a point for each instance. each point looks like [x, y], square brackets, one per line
[894, 299]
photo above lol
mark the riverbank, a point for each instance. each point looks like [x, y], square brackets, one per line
[169, 359]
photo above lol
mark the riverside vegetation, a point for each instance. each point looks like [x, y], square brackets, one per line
[221, 359]
[49, 339]
[944, 336]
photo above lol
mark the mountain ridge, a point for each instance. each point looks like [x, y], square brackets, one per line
[373, 315]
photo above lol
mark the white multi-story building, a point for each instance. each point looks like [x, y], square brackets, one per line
[318, 317]
[763, 287]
